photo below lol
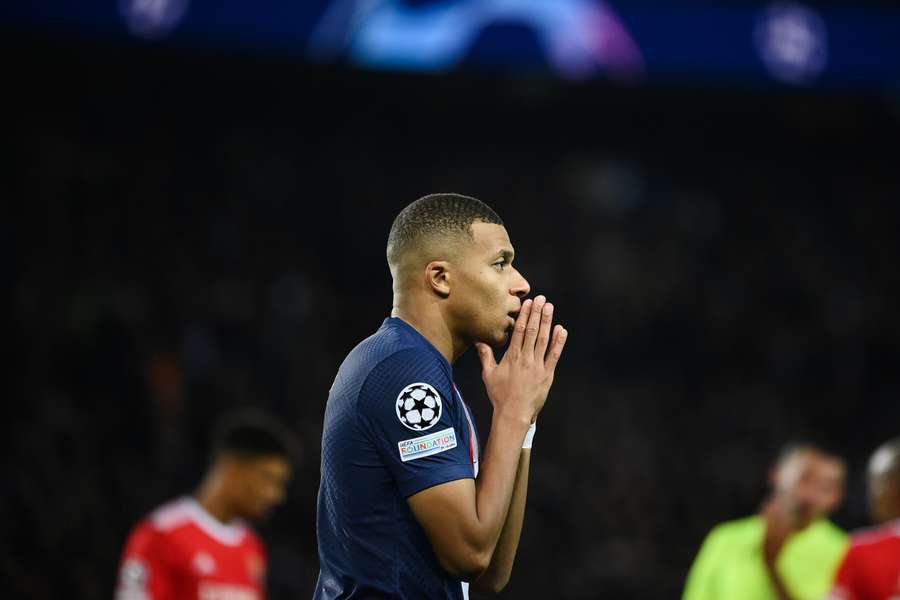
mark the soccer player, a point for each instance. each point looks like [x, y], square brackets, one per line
[408, 506]
[198, 547]
[871, 568]
[789, 551]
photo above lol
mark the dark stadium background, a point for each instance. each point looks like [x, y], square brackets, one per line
[184, 232]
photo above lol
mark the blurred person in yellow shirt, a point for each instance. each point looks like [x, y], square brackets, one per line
[789, 550]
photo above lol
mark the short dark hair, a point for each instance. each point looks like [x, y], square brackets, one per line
[436, 214]
[251, 433]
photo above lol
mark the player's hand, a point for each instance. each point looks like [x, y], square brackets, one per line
[519, 383]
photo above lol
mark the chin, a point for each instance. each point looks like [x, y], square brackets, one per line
[494, 341]
[496, 338]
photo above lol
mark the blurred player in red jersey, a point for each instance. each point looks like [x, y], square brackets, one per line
[871, 568]
[198, 547]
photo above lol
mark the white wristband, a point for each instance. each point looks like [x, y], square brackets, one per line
[529, 437]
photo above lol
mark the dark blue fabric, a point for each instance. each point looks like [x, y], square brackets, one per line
[370, 544]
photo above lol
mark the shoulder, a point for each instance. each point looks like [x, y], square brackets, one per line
[738, 527]
[393, 350]
[725, 542]
[409, 361]
[163, 519]
[151, 533]
[826, 532]
[142, 538]
[390, 339]
[735, 532]
[157, 529]
[171, 516]
[871, 536]
[185, 520]
[406, 368]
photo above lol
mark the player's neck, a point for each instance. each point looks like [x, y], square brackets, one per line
[211, 497]
[429, 322]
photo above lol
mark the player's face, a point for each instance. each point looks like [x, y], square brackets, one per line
[262, 483]
[809, 486]
[487, 290]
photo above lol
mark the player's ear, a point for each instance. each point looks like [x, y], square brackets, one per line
[226, 463]
[437, 275]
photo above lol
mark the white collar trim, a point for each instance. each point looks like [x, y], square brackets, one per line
[229, 534]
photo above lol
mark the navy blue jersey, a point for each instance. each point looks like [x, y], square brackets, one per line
[395, 424]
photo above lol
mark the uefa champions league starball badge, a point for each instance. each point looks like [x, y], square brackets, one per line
[419, 406]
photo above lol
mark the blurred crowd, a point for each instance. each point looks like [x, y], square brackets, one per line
[178, 249]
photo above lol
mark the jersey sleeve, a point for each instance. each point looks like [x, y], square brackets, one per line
[145, 573]
[701, 579]
[847, 580]
[407, 409]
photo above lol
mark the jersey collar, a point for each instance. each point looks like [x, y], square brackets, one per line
[229, 534]
[423, 341]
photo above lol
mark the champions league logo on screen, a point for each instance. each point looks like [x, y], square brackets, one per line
[578, 38]
[419, 406]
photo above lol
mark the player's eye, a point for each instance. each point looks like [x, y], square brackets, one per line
[500, 265]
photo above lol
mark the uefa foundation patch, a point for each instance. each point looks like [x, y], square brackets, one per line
[427, 445]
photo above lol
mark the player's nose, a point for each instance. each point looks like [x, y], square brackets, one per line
[520, 288]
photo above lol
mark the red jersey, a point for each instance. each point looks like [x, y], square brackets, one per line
[871, 568]
[181, 552]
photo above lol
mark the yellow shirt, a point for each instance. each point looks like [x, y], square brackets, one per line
[730, 563]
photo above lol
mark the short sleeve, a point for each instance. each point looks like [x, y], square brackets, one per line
[144, 573]
[701, 579]
[407, 408]
[846, 582]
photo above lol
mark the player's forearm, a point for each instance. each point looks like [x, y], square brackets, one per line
[497, 480]
[463, 519]
[495, 578]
